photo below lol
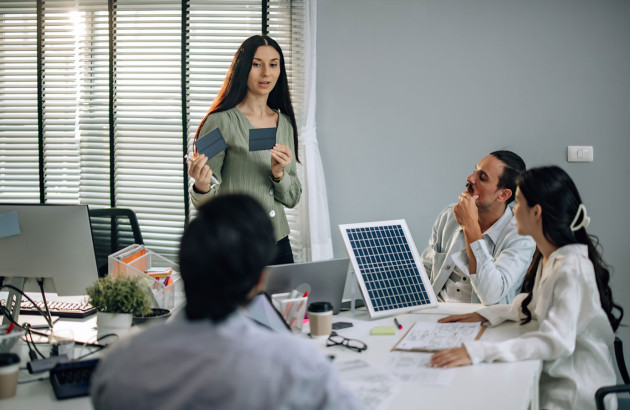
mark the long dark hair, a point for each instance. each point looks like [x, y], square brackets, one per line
[234, 87]
[222, 254]
[553, 189]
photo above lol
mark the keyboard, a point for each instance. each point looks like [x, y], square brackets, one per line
[72, 379]
[61, 308]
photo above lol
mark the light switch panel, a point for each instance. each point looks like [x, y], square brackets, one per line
[580, 153]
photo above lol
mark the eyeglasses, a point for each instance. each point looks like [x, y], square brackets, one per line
[353, 344]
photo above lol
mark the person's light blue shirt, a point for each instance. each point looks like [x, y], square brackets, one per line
[235, 364]
[503, 257]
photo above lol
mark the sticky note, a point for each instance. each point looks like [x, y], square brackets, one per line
[262, 139]
[211, 144]
[383, 330]
[9, 224]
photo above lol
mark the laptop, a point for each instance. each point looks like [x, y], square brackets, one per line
[326, 279]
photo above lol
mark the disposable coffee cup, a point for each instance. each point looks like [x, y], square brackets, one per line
[9, 368]
[320, 318]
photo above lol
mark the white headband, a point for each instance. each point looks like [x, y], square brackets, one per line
[585, 220]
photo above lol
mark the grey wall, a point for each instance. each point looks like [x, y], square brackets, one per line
[412, 93]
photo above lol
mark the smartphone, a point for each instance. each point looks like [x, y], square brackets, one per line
[341, 325]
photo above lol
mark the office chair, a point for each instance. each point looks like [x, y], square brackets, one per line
[112, 230]
[623, 402]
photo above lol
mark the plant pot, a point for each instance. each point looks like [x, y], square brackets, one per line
[112, 325]
[156, 316]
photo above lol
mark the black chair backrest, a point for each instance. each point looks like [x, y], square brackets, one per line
[112, 230]
[623, 403]
[621, 362]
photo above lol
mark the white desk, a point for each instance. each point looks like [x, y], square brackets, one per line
[485, 386]
[39, 394]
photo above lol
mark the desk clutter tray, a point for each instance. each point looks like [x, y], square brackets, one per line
[162, 275]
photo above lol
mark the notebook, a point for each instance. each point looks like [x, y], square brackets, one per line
[326, 279]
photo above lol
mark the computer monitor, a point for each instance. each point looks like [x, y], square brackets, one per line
[52, 242]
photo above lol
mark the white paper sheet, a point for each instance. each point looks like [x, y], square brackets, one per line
[414, 367]
[437, 336]
[374, 387]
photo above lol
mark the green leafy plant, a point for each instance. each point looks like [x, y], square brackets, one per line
[120, 295]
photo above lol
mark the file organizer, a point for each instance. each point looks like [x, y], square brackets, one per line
[136, 260]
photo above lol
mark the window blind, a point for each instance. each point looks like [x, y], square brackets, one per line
[148, 112]
[19, 163]
[116, 118]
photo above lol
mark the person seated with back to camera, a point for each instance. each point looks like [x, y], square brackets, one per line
[474, 253]
[566, 290]
[212, 356]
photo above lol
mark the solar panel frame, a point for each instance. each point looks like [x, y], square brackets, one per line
[388, 268]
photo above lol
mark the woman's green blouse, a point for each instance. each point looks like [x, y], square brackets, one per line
[240, 170]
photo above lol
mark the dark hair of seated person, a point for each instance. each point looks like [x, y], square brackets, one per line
[554, 190]
[223, 252]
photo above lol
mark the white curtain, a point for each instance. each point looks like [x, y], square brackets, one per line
[317, 200]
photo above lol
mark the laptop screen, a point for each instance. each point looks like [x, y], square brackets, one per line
[326, 279]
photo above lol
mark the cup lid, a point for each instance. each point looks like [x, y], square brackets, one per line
[320, 307]
[7, 359]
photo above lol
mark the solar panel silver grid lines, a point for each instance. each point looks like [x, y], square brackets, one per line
[387, 267]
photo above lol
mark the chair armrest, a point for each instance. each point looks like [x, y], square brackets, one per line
[606, 390]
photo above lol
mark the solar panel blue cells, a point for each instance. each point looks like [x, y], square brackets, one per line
[387, 267]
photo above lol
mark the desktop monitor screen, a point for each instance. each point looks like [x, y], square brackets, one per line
[53, 242]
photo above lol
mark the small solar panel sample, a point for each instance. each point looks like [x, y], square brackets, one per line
[388, 268]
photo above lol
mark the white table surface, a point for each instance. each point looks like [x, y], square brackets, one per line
[497, 386]
[485, 386]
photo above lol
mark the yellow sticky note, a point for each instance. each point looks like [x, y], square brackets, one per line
[383, 330]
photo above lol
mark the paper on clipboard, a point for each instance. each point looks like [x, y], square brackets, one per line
[430, 337]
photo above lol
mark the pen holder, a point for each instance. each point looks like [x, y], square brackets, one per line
[293, 310]
[10, 343]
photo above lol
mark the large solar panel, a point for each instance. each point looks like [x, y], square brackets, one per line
[388, 267]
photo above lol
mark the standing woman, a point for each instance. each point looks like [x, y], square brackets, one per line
[566, 291]
[255, 94]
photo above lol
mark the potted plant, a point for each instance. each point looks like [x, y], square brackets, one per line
[117, 300]
[156, 316]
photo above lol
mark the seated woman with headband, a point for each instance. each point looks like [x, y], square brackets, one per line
[566, 290]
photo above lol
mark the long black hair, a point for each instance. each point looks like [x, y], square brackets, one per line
[553, 189]
[222, 254]
[234, 88]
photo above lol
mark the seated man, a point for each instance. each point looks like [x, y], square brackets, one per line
[474, 253]
[211, 356]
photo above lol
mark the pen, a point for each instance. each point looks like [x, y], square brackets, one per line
[398, 324]
[191, 157]
[305, 295]
[10, 329]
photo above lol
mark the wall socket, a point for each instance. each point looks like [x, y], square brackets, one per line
[580, 153]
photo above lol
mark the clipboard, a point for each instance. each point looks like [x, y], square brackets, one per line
[431, 337]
